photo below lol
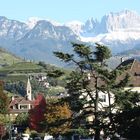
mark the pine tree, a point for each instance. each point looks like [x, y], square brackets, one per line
[85, 84]
[78, 84]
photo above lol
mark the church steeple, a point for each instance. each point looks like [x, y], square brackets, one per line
[29, 90]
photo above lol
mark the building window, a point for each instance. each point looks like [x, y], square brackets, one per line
[136, 74]
[102, 98]
[23, 107]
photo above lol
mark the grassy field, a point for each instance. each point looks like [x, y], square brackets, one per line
[7, 58]
[19, 71]
[21, 67]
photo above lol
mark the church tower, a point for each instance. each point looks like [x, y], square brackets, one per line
[29, 90]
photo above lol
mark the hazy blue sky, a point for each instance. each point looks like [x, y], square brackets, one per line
[64, 10]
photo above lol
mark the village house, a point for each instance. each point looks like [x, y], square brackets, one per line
[20, 104]
[133, 70]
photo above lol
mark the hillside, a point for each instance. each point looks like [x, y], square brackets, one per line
[6, 58]
[15, 77]
[21, 67]
[134, 51]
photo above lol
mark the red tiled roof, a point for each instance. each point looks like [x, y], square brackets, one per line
[24, 101]
[20, 100]
[15, 101]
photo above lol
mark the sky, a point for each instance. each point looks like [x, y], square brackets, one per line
[64, 10]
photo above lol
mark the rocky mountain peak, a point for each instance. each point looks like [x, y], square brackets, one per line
[37, 38]
[117, 21]
[12, 29]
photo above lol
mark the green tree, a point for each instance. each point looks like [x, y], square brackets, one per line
[4, 101]
[22, 119]
[128, 123]
[18, 87]
[92, 77]
[88, 62]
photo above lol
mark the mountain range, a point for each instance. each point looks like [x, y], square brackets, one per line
[37, 38]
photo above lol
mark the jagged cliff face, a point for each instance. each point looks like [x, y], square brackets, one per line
[125, 20]
[12, 29]
[37, 39]
[120, 31]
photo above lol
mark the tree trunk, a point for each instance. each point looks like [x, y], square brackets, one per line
[110, 112]
[97, 134]
[97, 127]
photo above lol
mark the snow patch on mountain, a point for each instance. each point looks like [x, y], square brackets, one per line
[115, 21]
[45, 30]
[121, 35]
[31, 22]
[12, 29]
[75, 26]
